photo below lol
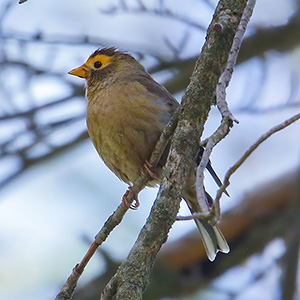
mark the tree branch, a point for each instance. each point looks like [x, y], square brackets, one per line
[132, 277]
[266, 213]
[279, 38]
[182, 267]
[115, 219]
[250, 150]
[227, 117]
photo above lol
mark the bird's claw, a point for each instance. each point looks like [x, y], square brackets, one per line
[152, 171]
[133, 205]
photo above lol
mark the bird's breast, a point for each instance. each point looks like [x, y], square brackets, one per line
[124, 126]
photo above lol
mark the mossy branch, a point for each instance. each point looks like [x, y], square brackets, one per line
[115, 219]
[131, 279]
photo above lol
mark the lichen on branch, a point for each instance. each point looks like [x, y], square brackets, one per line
[132, 277]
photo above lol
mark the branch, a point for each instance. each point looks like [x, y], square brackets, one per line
[290, 262]
[279, 38]
[27, 162]
[250, 150]
[227, 117]
[115, 219]
[161, 12]
[132, 277]
[202, 215]
[182, 268]
[232, 58]
[263, 215]
[55, 39]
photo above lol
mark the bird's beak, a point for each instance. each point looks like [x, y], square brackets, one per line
[81, 71]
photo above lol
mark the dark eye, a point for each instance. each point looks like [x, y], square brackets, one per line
[97, 64]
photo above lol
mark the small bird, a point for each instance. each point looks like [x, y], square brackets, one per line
[126, 113]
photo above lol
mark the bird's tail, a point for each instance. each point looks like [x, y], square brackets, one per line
[211, 235]
[212, 238]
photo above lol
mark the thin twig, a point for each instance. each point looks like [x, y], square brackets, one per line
[202, 215]
[227, 117]
[161, 13]
[251, 149]
[232, 58]
[117, 216]
[164, 139]
[214, 139]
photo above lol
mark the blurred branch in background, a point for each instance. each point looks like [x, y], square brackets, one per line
[30, 132]
[290, 260]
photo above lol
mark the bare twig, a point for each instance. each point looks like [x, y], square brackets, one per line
[269, 206]
[232, 58]
[162, 12]
[227, 117]
[117, 216]
[251, 149]
[202, 215]
[177, 49]
[29, 161]
[214, 139]
[57, 39]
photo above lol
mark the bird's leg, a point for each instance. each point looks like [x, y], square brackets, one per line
[135, 199]
[151, 170]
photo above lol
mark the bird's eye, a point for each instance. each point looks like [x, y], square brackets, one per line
[97, 64]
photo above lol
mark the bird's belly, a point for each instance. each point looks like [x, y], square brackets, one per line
[124, 131]
[116, 148]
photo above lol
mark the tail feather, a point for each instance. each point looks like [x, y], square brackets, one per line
[212, 238]
[211, 235]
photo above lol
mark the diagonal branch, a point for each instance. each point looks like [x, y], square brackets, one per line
[181, 267]
[132, 277]
[115, 219]
[227, 117]
[251, 149]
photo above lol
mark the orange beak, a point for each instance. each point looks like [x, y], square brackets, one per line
[81, 71]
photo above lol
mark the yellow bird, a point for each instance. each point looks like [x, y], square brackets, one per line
[126, 113]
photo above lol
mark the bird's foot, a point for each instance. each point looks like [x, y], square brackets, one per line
[152, 171]
[131, 204]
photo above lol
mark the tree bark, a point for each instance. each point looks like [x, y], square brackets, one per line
[182, 267]
[132, 277]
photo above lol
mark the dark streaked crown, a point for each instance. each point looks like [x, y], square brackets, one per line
[109, 51]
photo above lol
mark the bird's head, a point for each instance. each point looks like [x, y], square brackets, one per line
[107, 64]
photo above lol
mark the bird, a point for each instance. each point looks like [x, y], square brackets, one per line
[127, 110]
